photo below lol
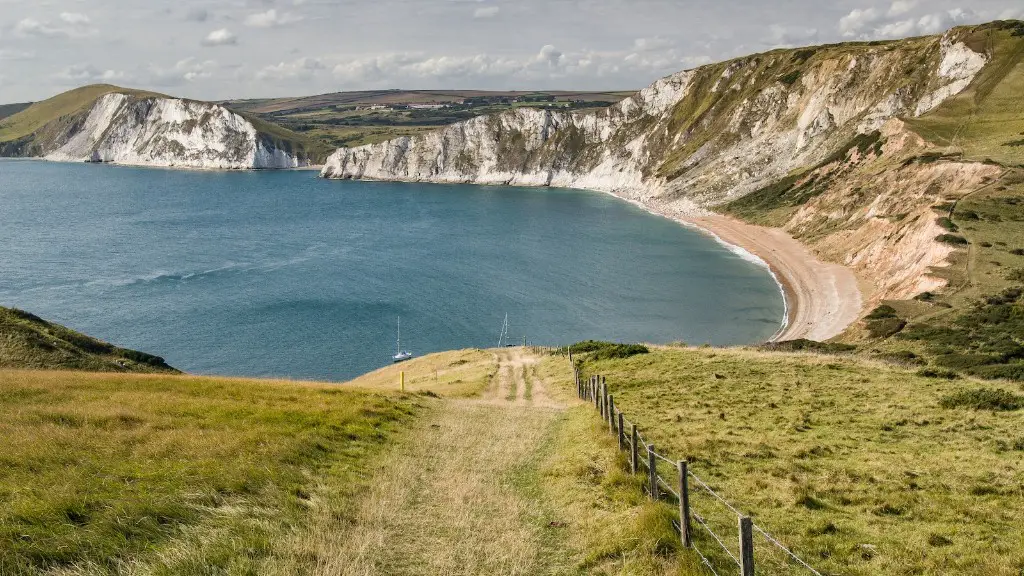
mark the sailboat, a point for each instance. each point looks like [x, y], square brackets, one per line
[401, 356]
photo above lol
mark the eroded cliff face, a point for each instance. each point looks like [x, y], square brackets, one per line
[877, 211]
[165, 132]
[701, 138]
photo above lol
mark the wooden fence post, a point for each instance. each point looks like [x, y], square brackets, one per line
[684, 504]
[597, 392]
[611, 414]
[622, 432]
[604, 400]
[634, 457]
[746, 547]
[652, 467]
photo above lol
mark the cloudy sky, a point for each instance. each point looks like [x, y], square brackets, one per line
[257, 48]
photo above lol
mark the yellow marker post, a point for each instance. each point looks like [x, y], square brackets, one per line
[402, 378]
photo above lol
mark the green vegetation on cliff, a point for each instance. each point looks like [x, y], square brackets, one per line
[29, 342]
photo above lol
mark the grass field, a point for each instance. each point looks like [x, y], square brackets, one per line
[104, 474]
[859, 467]
[170, 474]
[349, 118]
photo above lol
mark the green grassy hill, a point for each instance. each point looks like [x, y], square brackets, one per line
[29, 342]
[12, 109]
[858, 466]
[366, 117]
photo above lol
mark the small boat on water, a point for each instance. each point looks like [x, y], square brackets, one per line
[402, 356]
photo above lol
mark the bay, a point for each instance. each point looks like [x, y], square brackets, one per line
[287, 275]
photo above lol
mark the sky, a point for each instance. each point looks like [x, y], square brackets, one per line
[220, 49]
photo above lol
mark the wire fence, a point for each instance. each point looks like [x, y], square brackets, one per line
[725, 522]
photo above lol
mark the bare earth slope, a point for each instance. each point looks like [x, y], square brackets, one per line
[703, 138]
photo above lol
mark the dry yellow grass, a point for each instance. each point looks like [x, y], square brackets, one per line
[455, 374]
[119, 473]
[855, 464]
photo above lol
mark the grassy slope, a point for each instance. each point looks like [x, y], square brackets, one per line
[456, 374]
[41, 113]
[168, 474]
[854, 464]
[12, 109]
[986, 119]
[27, 341]
[172, 474]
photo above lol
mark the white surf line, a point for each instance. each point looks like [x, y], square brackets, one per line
[734, 248]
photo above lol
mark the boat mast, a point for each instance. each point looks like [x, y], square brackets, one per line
[399, 334]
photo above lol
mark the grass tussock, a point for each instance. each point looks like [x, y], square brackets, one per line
[846, 461]
[168, 474]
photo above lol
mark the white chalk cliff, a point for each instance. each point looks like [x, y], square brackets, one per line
[704, 137]
[167, 132]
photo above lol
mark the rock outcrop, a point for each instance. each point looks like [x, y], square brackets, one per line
[131, 130]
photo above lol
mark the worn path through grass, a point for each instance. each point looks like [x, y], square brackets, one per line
[501, 484]
[449, 500]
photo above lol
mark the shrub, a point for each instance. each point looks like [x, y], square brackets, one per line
[925, 297]
[962, 361]
[617, 351]
[791, 78]
[940, 374]
[999, 372]
[883, 311]
[1015, 275]
[608, 350]
[951, 239]
[886, 327]
[905, 357]
[1017, 251]
[804, 345]
[947, 224]
[983, 399]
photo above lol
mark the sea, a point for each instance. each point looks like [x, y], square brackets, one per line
[284, 274]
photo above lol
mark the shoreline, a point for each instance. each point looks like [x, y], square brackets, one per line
[821, 299]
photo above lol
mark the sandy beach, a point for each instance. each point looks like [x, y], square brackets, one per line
[822, 298]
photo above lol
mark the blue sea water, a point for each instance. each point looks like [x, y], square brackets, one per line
[284, 274]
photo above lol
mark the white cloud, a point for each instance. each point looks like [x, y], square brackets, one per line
[87, 74]
[182, 72]
[901, 7]
[857, 20]
[271, 18]
[222, 37]
[780, 36]
[71, 25]
[486, 12]
[300, 69]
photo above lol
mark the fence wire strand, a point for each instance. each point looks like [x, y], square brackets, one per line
[700, 520]
[668, 488]
[715, 494]
[704, 560]
[585, 391]
[665, 460]
[786, 550]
